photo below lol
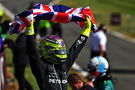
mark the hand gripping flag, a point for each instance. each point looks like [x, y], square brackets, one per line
[55, 13]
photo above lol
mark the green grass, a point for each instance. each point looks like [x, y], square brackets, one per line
[28, 75]
[103, 6]
[102, 10]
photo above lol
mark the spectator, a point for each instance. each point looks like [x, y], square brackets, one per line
[56, 29]
[21, 60]
[99, 42]
[51, 62]
[3, 45]
[44, 26]
[2, 67]
[98, 68]
[3, 72]
[77, 83]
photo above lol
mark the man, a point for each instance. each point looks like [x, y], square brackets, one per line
[21, 60]
[51, 62]
[3, 45]
[98, 42]
[98, 69]
[56, 29]
[76, 83]
[2, 67]
[44, 26]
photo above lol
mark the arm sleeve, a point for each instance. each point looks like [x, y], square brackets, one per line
[79, 44]
[32, 49]
[33, 53]
[37, 66]
[75, 50]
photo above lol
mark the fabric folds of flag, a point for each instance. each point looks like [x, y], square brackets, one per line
[54, 13]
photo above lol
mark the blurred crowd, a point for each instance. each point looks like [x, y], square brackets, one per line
[18, 48]
[98, 75]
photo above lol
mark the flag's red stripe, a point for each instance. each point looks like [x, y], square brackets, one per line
[62, 17]
[25, 20]
[46, 8]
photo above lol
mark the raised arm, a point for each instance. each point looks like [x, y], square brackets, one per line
[79, 44]
[35, 62]
[31, 44]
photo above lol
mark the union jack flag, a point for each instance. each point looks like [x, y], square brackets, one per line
[55, 13]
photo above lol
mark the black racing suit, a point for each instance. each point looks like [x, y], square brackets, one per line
[52, 76]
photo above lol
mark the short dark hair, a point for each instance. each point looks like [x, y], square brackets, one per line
[74, 77]
[102, 27]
